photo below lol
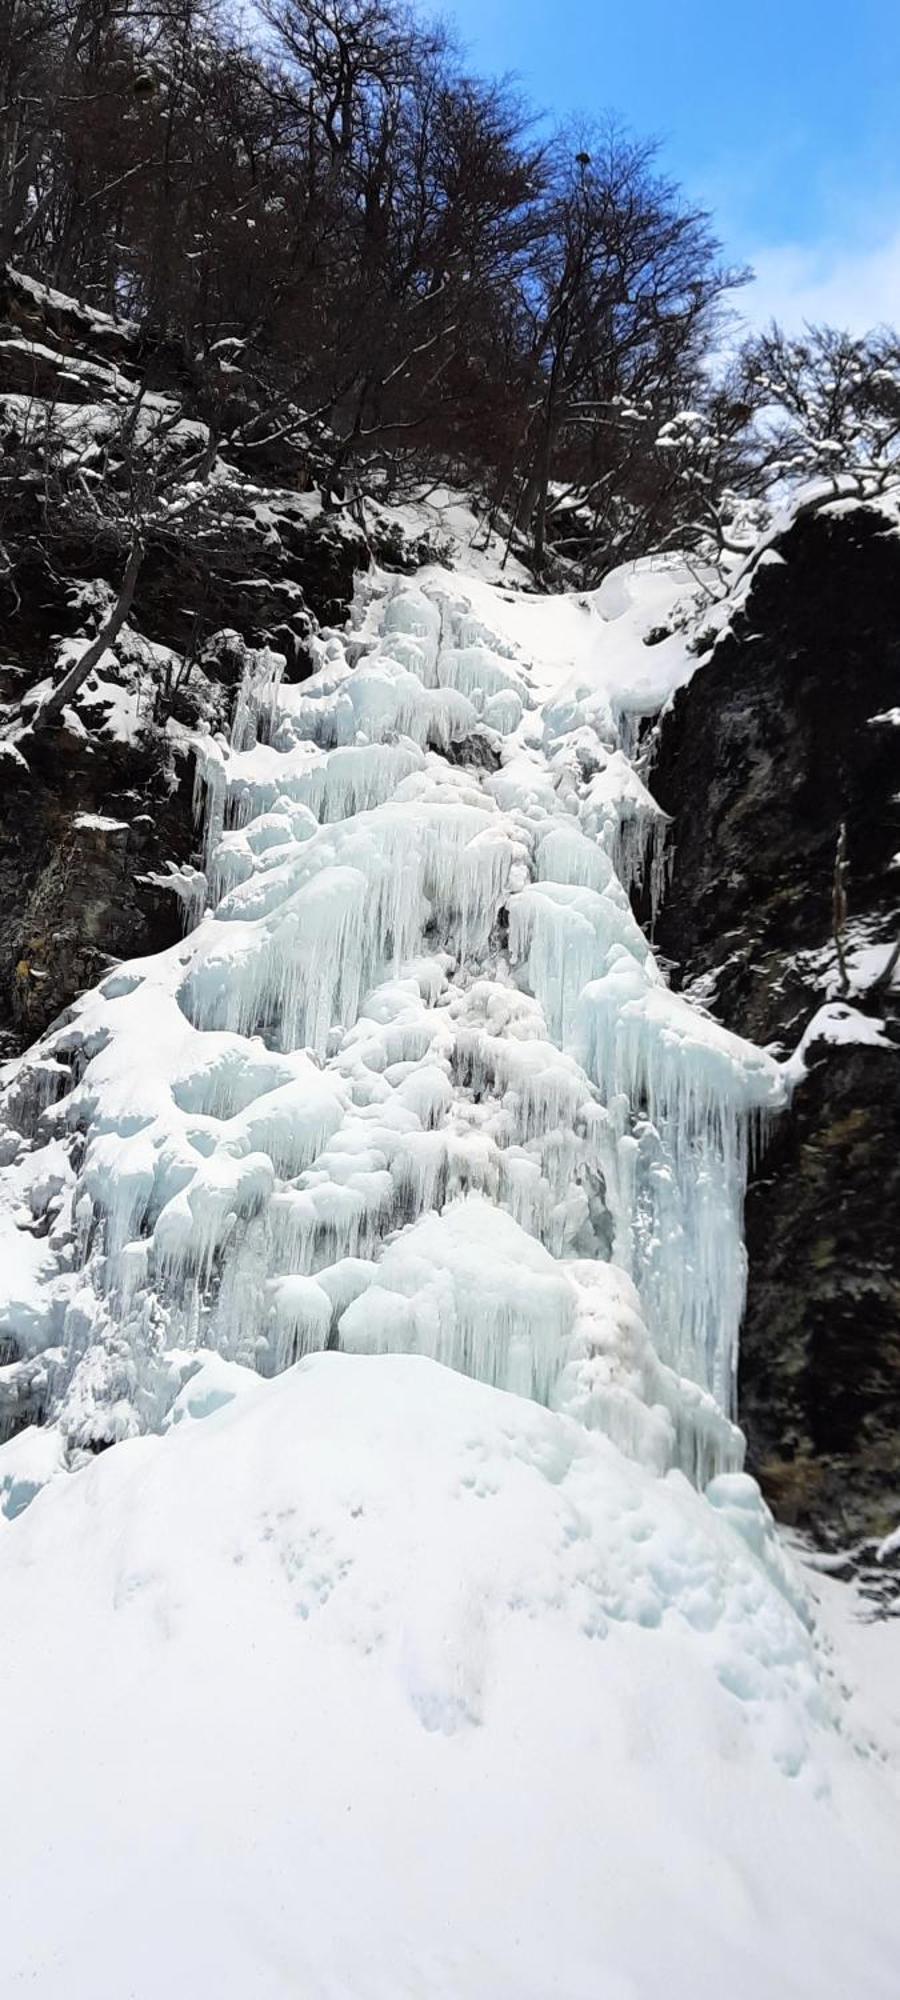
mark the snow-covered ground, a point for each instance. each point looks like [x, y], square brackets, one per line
[595, 637]
[462, 1662]
[373, 1682]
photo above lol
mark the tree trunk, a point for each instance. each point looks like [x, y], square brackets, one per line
[544, 468]
[50, 710]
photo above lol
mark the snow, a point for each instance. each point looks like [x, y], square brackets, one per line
[10, 750]
[98, 823]
[867, 958]
[866, 1647]
[106, 378]
[375, 1681]
[838, 1025]
[94, 321]
[867, 964]
[444, 517]
[594, 641]
[120, 712]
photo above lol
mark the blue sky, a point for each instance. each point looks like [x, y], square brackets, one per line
[782, 116]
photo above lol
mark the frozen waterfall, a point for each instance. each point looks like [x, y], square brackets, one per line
[414, 1082]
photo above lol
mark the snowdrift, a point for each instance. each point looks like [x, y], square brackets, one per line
[374, 1682]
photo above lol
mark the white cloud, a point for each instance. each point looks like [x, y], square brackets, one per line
[846, 284]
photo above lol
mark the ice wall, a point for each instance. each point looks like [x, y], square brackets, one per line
[414, 1082]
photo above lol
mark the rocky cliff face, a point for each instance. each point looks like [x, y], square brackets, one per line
[785, 734]
[86, 828]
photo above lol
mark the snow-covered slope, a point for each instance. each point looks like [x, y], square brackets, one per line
[462, 1661]
[376, 1683]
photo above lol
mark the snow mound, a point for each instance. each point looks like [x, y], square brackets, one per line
[374, 1681]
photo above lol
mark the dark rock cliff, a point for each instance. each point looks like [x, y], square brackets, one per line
[84, 826]
[773, 745]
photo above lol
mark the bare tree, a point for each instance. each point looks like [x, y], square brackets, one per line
[337, 244]
[52, 706]
[839, 906]
[622, 296]
[829, 406]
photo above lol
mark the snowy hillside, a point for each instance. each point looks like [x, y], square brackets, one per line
[375, 1682]
[381, 1681]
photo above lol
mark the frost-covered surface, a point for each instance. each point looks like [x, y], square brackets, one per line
[374, 1682]
[419, 996]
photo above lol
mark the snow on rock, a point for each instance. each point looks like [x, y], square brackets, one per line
[594, 643]
[86, 822]
[836, 1024]
[374, 1681]
[414, 1081]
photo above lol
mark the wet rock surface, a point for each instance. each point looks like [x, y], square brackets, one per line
[772, 746]
[820, 1375]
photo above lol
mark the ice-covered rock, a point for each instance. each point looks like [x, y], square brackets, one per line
[414, 1082]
